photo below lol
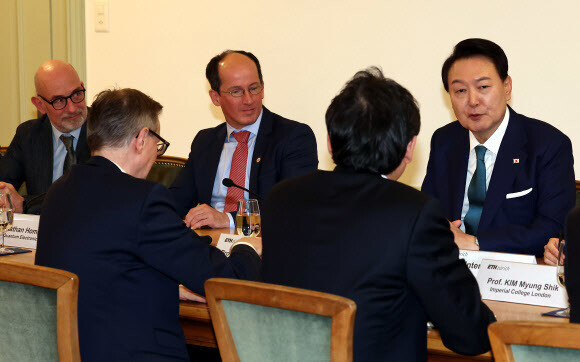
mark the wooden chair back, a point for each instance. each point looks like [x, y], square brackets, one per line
[534, 341]
[38, 313]
[264, 322]
[166, 169]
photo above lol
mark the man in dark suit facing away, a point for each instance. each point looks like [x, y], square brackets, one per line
[123, 238]
[359, 233]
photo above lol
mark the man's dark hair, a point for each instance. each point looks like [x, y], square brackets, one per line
[212, 71]
[476, 47]
[118, 115]
[371, 122]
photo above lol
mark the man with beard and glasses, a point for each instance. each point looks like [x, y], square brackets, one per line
[44, 148]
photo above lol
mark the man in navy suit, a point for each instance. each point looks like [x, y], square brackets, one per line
[359, 233]
[37, 152]
[275, 148]
[506, 181]
[123, 238]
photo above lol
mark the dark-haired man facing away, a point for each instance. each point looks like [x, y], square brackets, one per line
[357, 232]
[506, 181]
[254, 147]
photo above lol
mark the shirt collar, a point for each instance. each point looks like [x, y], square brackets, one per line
[114, 163]
[252, 128]
[493, 143]
[56, 133]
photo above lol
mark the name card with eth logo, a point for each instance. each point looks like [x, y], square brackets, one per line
[226, 241]
[24, 231]
[521, 283]
[473, 258]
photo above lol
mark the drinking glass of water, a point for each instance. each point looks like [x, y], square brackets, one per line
[248, 218]
[561, 276]
[6, 219]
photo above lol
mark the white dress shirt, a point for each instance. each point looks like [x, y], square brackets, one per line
[219, 192]
[492, 145]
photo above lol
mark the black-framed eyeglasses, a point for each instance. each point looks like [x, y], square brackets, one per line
[162, 145]
[239, 92]
[60, 102]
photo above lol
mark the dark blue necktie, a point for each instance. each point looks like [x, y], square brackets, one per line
[476, 193]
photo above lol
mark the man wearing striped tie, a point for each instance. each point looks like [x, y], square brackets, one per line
[44, 148]
[506, 181]
[255, 147]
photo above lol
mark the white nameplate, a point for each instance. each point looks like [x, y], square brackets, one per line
[521, 283]
[226, 241]
[24, 232]
[473, 258]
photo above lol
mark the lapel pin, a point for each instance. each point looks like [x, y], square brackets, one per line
[516, 160]
[258, 160]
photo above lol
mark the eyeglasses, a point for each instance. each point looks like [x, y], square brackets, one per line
[60, 102]
[237, 93]
[162, 145]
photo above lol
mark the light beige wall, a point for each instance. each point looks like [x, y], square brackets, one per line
[309, 49]
[25, 30]
[9, 93]
[34, 31]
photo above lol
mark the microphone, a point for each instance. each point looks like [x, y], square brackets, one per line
[227, 182]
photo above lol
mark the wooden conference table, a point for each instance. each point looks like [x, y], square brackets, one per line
[196, 322]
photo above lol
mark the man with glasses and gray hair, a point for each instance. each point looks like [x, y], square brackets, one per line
[123, 238]
[44, 148]
[255, 148]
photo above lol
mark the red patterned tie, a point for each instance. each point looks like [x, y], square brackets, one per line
[238, 171]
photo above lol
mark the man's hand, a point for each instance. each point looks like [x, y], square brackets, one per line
[551, 252]
[202, 215]
[17, 200]
[186, 294]
[464, 241]
[256, 243]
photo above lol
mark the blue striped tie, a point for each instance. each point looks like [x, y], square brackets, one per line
[476, 193]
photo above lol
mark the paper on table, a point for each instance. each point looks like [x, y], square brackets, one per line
[521, 283]
[473, 258]
[24, 231]
[226, 241]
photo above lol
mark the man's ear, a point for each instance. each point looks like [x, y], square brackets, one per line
[410, 149]
[39, 104]
[263, 90]
[328, 145]
[138, 142]
[507, 85]
[405, 161]
[215, 97]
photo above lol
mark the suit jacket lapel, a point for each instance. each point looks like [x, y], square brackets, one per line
[457, 160]
[505, 169]
[82, 151]
[214, 153]
[260, 148]
[44, 152]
